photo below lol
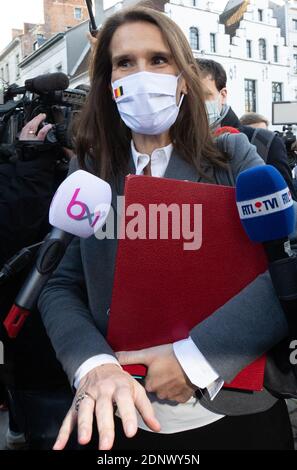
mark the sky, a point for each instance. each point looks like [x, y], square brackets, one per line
[15, 12]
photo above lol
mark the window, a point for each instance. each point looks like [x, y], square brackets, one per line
[249, 49]
[2, 73]
[7, 72]
[213, 46]
[277, 92]
[17, 61]
[295, 63]
[194, 38]
[78, 13]
[295, 25]
[260, 15]
[250, 96]
[262, 49]
[275, 53]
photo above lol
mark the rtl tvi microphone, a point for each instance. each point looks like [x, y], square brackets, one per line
[268, 215]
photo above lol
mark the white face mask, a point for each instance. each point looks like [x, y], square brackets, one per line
[213, 109]
[146, 101]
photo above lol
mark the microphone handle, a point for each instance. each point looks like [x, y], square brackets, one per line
[283, 272]
[48, 259]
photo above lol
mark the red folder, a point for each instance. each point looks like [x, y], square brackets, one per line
[160, 290]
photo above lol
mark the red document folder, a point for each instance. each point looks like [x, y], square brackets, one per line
[160, 290]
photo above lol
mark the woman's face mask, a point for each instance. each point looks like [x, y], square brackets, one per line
[146, 101]
[213, 109]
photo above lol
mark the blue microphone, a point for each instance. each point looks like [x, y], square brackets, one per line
[267, 213]
[265, 204]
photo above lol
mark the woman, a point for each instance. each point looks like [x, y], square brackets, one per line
[146, 114]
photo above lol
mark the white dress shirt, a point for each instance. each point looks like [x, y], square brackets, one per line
[173, 417]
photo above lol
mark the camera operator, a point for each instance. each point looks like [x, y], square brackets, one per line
[37, 386]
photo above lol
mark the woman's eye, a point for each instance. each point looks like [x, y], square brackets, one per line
[124, 63]
[159, 60]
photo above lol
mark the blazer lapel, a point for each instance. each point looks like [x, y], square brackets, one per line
[179, 169]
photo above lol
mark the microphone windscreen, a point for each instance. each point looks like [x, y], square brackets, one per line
[265, 204]
[47, 82]
[81, 204]
[225, 130]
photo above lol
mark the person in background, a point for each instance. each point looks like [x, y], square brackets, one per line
[269, 145]
[38, 389]
[255, 120]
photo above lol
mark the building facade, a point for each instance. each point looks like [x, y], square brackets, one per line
[286, 16]
[246, 40]
[254, 40]
[62, 53]
[59, 16]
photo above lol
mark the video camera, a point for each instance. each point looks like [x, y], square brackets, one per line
[47, 94]
[285, 113]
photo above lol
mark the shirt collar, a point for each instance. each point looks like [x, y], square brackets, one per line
[139, 158]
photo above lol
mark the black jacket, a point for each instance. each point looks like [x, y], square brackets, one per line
[26, 191]
[277, 155]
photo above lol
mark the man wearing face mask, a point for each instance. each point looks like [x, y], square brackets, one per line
[269, 145]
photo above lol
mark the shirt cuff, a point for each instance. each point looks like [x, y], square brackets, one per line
[196, 367]
[92, 363]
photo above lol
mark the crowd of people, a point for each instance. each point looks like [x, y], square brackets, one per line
[169, 110]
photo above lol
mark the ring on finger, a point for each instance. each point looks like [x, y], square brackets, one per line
[81, 397]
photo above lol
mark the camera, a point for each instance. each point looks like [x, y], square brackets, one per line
[43, 94]
[285, 113]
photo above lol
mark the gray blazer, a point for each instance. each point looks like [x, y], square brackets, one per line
[75, 302]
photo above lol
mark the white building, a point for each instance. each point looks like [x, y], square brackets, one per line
[287, 20]
[62, 53]
[247, 41]
[10, 58]
[255, 47]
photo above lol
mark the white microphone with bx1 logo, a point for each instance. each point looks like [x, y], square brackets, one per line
[79, 208]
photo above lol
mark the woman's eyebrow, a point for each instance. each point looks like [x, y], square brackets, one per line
[118, 58]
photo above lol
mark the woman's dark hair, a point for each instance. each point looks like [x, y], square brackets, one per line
[103, 135]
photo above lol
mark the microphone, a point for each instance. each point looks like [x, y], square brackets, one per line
[226, 129]
[42, 84]
[80, 207]
[267, 213]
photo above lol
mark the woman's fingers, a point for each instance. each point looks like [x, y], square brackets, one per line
[105, 422]
[85, 420]
[126, 408]
[66, 429]
[101, 388]
[145, 408]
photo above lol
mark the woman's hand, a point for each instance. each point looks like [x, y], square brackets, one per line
[104, 387]
[165, 376]
[29, 130]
